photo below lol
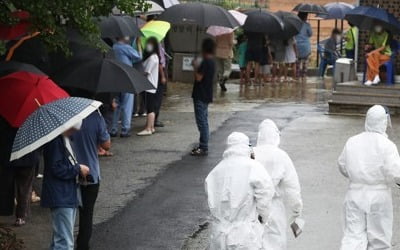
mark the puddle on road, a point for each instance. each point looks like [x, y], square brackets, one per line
[239, 97]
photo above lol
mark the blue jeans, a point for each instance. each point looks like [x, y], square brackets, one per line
[124, 110]
[201, 115]
[63, 220]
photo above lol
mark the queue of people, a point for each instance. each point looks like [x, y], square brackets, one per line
[269, 59]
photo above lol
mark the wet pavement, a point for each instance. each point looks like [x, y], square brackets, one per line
[152, 194]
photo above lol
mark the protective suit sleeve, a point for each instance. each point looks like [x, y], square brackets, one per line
[342, 163]
[291, 187]
[391, 166]
[263, 190]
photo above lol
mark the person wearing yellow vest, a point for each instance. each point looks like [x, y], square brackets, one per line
[351, 41]
[379, 53]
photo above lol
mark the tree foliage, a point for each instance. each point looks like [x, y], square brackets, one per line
[52, 17]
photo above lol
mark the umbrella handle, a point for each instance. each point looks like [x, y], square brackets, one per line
[19, 43]
[37, 102]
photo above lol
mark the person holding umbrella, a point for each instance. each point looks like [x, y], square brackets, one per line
[303, 45]
[60, 190]
[151, 65]
[124, 101]
[224, 55]
[378, 52]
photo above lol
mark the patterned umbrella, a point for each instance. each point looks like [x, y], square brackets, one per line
[50, 121]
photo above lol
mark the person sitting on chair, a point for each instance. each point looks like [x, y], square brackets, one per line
[378, 52]
[331, 52]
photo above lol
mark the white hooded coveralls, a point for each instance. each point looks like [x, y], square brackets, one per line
[284, 176]
[371, 162]
[239, 189]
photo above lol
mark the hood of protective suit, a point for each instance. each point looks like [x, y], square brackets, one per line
[237, 145]
[268, 134]
[377, 120]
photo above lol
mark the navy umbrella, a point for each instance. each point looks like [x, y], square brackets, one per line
[261, 21]
[336, 10]
[310, 8]
[365, 18]
[50, 121]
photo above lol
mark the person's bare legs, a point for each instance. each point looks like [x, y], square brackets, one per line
[150, 122]
[248, 72]
[294, 73]
[257, 72]
[284, 71]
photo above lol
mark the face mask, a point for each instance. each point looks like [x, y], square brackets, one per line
[378, 29]
[149, 48]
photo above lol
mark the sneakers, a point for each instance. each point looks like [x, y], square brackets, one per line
[199, 152]
[145, 133]
[223, 87]
[368, 83]
[113, 134]
[20, 222]
[376, 80]
[35, 198]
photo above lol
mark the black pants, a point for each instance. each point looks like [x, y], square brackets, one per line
[24, 177]
[89, 197]
[159, 97]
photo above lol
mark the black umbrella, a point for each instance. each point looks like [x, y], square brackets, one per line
[119, 26]
[10, 67]
[260, 21]
[100, 75]
[79, 48]
[292, 24]
[201, 14]
[32, 51]
[310, 8]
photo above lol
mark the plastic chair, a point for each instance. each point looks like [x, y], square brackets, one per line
[327, 58]
[390, 65]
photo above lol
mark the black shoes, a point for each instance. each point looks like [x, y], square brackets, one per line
[199, 152]
[158, 124]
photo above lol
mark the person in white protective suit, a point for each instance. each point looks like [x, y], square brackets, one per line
[284, 176]
[371, 162]
[239, 191]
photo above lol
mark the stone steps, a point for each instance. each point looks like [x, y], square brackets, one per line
[354, 98]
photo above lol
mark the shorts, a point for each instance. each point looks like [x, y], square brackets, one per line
[254, 55]
[151, 102]
[266, 69]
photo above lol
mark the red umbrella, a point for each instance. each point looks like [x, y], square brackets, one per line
[11, 32]
[21, 93]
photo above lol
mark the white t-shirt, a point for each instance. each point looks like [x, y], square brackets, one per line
[151, 68]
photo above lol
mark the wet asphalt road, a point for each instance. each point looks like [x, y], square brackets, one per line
[164, 215]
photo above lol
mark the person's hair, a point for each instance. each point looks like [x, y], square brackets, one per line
[156, 48]
[208, 46]
[336, 31]
[350, 24]
[303, 16]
